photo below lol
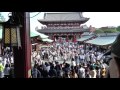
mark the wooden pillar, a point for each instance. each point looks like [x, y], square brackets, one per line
[74, 38]
[0, 48]
[66, 38]
[60, 38]
[22, 56]
[79, 35]
[53, 38]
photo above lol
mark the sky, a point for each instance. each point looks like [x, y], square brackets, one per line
[97, 19]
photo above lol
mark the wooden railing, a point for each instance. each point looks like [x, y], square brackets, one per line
[62, 28]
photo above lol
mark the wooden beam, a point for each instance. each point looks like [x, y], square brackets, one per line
[22, 56]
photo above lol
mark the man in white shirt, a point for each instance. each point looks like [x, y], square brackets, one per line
[81, 58]
[82, 51]
[73, 63]
[81, 72]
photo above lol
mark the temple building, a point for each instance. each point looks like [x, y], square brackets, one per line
[63, 26]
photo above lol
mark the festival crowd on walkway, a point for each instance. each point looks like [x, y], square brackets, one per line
[69, 60]
[66, 60]
[7, 64]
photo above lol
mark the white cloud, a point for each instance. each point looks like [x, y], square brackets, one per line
[5, 14]
[97, 19]
[34, 21]
[100, 19]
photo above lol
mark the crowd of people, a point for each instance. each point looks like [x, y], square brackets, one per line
[61, 60]
[69, 60]
[7, 64]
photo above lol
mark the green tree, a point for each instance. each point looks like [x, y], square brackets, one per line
[2, 19]
[110, 31]
[99, 31]
[118, 28]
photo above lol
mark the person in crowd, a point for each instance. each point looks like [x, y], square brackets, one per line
[35, 72]
[58, 69]
[1, 69]
[12, 71]
[7, 71]
[98, 70]
[81, 72]
[47, 66]
[73, 63]
[87, 73]
[103, 71]
[93, 72]
[73, 74]
[52, 72]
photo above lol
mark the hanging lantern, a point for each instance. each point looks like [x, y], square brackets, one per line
[11, 33]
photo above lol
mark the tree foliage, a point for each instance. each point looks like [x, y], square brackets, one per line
[106, 31]
[118, 28]
[2, 19]
[99, 31]
[110, 31]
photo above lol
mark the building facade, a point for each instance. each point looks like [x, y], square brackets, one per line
[63, 26]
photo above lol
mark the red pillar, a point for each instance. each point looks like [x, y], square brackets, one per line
[67, 38]
[0, 48]
[53, 38]
[80, 35]
[74, 38]
[60, 40]
[22, 56]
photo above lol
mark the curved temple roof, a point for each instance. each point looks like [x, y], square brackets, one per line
[64, 17]
[84, 38]
[34, 34]
[102, 40]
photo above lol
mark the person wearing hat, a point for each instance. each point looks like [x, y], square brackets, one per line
[114, 65]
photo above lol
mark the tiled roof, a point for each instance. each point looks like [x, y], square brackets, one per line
[102, 40]
[66, 16]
